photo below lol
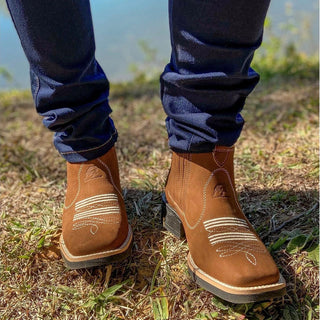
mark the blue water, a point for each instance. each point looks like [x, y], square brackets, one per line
[119, 25]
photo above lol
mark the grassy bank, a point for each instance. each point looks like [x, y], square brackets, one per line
[277, 178]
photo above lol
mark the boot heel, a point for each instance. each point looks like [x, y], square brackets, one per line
[171, 221]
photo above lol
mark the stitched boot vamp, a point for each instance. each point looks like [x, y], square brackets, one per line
[225, 248]
[95, 223]
[222, 242]
[94, 218]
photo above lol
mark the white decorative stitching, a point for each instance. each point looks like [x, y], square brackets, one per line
[78, 192]
[225, 224]
[225, 220]
[235, 242]
[93, 222]
[204, 197]
[109, 172]
[93, 216]
[96, 199]
[231, 235]
[96, 212]
[218, 163]
[203, 208]
[89, 221]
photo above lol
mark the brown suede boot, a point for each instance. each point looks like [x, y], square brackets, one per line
[226, 255]
[95, 228]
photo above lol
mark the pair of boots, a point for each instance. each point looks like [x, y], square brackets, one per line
[226, 256]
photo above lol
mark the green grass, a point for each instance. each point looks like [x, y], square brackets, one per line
[277, 178]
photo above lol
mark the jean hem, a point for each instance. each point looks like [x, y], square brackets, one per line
[207, 149]
[77, 156]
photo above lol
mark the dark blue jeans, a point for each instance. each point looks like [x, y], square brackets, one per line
[203, 88]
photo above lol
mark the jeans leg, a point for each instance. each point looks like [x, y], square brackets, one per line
[206, 83]
[69, 88]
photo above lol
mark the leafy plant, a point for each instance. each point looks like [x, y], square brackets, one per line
[99, 303]
[276, 58]
[150, 68]
[160, 307]
[305, 242]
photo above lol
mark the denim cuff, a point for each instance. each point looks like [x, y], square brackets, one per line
[77, 156]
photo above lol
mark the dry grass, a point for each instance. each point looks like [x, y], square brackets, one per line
[277, 174]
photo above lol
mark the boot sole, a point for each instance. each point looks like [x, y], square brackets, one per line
[172, 223]
[96, 259]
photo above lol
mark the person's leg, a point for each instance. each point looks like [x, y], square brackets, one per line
[70, 91]
[69, 88]
[204, 87]
[203, 90]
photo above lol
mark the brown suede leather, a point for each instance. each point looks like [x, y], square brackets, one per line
[200, 189]
[94, 217]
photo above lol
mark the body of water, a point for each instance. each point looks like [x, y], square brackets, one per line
[121, 24]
